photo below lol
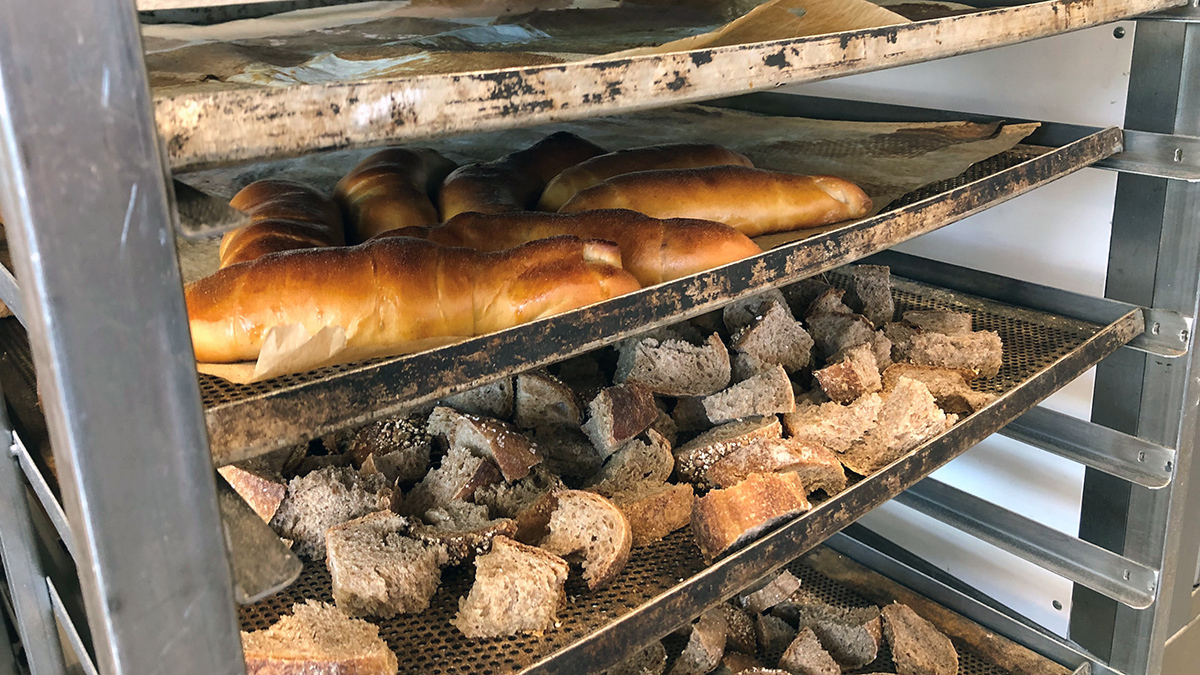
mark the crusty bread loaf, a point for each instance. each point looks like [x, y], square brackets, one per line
[675, 367]
[283, 216]
[515, 181]
[390, 190]
[726, 518]
[517, 589]
[397, 295]
[377, 571]
[654, 511]
[588, 524]
[652, 250]
[318, 638]
[753, 201]
[602, 167]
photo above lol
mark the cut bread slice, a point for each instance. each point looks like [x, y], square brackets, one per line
[689, 415]
[833, 425]
[835, 332]
[908, 417]
[775, 591]
[508, 448]
[806, 656]
[948, 386]
[464, 529]
[654, 511]
[980, 351]
[517, 589]
[850, 375]
[724, 519]
[871, 293]
[741, 313]
[590, 525]
[494, 399]
[377, 571]
[801, 294]
[767, 393]
[618, 414]
[675, 367]
[566, 451]
[457, 478]
[818, 468]
[775, 338]
[542, 400]
[258, 484]
[636, 463]
[318, 638]
[705, 646]
[694, 458]
[322, 499]
[940, 321]
[399, 445]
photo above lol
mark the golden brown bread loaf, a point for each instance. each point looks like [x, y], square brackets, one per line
[391, 189]
[515, 181]
[597, 169]
[754, 201]
[652, 250]
[398, 294]
[283, 216]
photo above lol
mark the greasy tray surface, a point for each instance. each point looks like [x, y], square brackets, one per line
[1034, 344]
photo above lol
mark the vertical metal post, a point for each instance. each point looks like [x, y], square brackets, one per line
[87, 216]
[1154, 261]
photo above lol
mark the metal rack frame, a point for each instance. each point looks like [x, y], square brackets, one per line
[92, 237]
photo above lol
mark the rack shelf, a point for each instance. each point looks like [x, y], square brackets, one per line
[210, 128]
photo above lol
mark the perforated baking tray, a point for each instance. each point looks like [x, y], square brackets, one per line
[666, 584]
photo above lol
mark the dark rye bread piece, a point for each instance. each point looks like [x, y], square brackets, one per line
[773, 634]
[918, 648]
[318, 638]
[590, 525]
[486, 437]
[806, 656]
[494, 399]
[322, 499]
[675, 367]
[618, 414]
[802, 293]
[542, 400]
[460, 474]
[949, 386]
[871, 293]
[741, 313]
[900, 334]
[259, 484]
[636, 463]
[649, 661]
[377, 571]
[654, 511]
[464, 529]
[777, 590]
[767, 393]
[939, 321]
[566, 451]
[689, 415]
[724, 519]
[833, 425]
[817, 467]
[773, 337]
[834, 332]
[828, 302]
[739, 630]
[517, 589]
[705, 646]
[908, 417]
[402, 440]
[852, 647]
[583, 374]
[979, 351]
[694, 458]
[851, 375]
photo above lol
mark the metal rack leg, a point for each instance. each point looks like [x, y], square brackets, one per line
[88, 220]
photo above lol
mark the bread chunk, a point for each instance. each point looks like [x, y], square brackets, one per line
[583, 374]
[377, 571]
[517, 589]
[739, 662]
[854, 374]
[675, 367]
[586, 523]
[881, 346]
[650, 661]
[654, 511]
[705, 646]
[817, 467]
[744, 366]
[457, 478]
[494, 399]
[767, 393]
[828, 301]
[900, 334]
[318, 638]
[636, 463]
[463, 529]
[917, 647]
[835, 332]
[263, 488]
[774, 634]
[486, 437]
[980, 351]
[949, 386]
[325, 498]
[805, 656]
[689, 415]
[741, 313]
[908, 417]
[723, 519]
[801, 294]
[664, 425]
[566, 451]
[774, 337]
[939, 321]
[400, 446]
[696, 457]
[871, 293]
[774, 592]
[618, 414]
[852, 647]
[543, 400]
[833, 425]
[739, 633]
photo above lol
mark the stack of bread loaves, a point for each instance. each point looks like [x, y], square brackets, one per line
[441, 253]
[726, 424]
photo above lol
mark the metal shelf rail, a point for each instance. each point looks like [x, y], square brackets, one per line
[92, 238]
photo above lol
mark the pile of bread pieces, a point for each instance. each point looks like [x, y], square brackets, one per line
[727, 424]
[412, 251]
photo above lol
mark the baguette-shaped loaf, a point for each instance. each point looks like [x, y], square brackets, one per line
[597, 169]
[284, 216]
[398, 294]
[391, 189]
[515, 181]
[652, 250]
[754, 201]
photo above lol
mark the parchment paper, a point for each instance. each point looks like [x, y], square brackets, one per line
[888, 160]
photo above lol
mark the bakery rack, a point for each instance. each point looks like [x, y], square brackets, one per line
[116, 563]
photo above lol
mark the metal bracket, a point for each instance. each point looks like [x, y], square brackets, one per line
[1166, 333]
[1117, 454]
[1161, 155]
[44, 494]
[1124, 580]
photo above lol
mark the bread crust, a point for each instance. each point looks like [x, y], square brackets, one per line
[284, 216]
[754, 201]
[564, 539]
[391, 189]
[724, 518]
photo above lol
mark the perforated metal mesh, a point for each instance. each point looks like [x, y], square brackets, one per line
[426, 643]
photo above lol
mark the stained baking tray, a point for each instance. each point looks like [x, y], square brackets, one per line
[247, 420]
[213, 128]
[666, 584]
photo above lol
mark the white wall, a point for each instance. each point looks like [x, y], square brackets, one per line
[1057, 235]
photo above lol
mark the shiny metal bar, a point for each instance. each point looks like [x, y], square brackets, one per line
[69, 629]
[1160, 155]
[93, 246]
[45, 495]
[1117, 577]
[10, 293]
[1117, 454]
